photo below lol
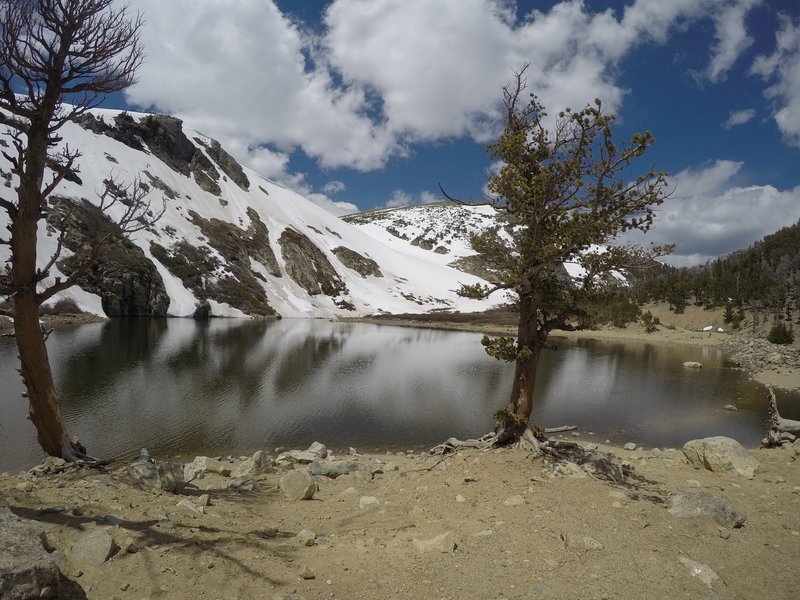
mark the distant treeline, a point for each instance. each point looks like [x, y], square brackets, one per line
[764, 278]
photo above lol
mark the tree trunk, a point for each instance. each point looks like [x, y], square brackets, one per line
[44, 411]
[513, 422]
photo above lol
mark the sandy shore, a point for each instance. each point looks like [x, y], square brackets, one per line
[499, 524]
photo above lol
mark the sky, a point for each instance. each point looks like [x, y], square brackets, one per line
[359, 104]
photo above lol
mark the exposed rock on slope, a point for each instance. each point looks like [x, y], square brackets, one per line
[308, 266]
[362, 265]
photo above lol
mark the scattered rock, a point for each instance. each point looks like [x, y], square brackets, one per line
[318, 449]
[720, 453]
[697, 503]
[514, 501]
[579, 541]
[332, 469]
[730, 407]
[242, 484]
[703, 572]
[367, 501]
[92, 549]
[306, 572]
[306, 537]
[690, 364]
[630, 447]
[192, 506]
[302, 457]
[444, 543]
[202, 465]
[298, 485]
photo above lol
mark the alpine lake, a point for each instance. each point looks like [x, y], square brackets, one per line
[225, 386]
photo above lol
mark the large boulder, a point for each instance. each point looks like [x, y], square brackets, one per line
[92, 549]
[720, 454]
[26, 569]
[167, 476]
[298, 485]
[697, 503]
[202, 465]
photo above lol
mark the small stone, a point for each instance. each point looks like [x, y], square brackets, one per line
[298, 485]
[703, 572]
[24, 486]
[516, 500]
[724, 533]
[318, 449]
[460, 498]
[690, 364]
[730, 407]
[307, 537]
[630, 446]
[581, 542]
[306, 572]
[444, 543]
[366, 502]
[191, 506]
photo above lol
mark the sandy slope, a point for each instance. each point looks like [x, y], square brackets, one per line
[569, 536]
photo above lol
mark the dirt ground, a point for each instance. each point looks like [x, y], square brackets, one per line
[515, 527]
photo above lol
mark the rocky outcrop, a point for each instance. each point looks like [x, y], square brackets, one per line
[755, 355]
[362, 265]
[720, 453]
[126, 280]
[227, 163]
[26, 569]
[308, 266]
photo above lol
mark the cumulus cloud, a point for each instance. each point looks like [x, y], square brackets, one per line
[709, 215]
[783, 67]
[739, 117]
[383, 75]
[334, 187]
[731, 37]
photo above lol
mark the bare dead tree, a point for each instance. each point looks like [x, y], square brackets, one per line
[58, 58]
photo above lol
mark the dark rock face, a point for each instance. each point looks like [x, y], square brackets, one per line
[360, 264]
[127, 281]
[26, 569]
[228, 164]
[235, 282]
[308, 266]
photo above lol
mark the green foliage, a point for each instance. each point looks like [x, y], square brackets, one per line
[563, 191]
[477, 291]
[781, 333]
[505, 348]
[506, 416]
[650, 322]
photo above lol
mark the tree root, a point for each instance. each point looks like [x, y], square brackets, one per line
[778, 425]
[527, 442]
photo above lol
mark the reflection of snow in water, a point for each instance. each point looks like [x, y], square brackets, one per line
[227, 385]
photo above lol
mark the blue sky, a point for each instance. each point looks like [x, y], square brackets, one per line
[359, 104]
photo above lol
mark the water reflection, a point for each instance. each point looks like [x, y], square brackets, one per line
[224, 386]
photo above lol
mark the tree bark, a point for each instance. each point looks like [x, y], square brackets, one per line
[515, 419]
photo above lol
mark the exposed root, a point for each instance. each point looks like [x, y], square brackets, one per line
[780, 430]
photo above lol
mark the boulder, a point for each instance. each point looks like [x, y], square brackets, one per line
[92, 549]
[167, 476]
[302, 457]
[202, 465]
[318, 449]
[694, 502]
[298, 485]
[690, 364]
[720, 454]
[26, 569]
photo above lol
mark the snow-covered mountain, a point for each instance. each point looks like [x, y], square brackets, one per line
[235, 243]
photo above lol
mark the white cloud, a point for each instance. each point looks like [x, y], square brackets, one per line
[334, 187]
[739, 117]
[709, 215]
[403, 198]
[731, 37]
[783, 67]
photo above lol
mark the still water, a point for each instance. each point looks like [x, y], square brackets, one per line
[228, 386]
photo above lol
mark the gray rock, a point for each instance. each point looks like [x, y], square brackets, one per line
[703, 572]
[192, 506]
[720, 454]
[306, 572]
[332, 469]
[444, 543]
[302, 457]
[730, 407]
[26, 569]
[242, 484]
[318, 449]
[690, 364]
[202, 465]
[630, 446]
[694, 502]
[306, 537]
[167, 476]
[360, 264]
[579, 541]
[367, 501]
[298, 485]
[92, 549]
[308, 266]
[516, 500]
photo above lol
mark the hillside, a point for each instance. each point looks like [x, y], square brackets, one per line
[230, 242]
